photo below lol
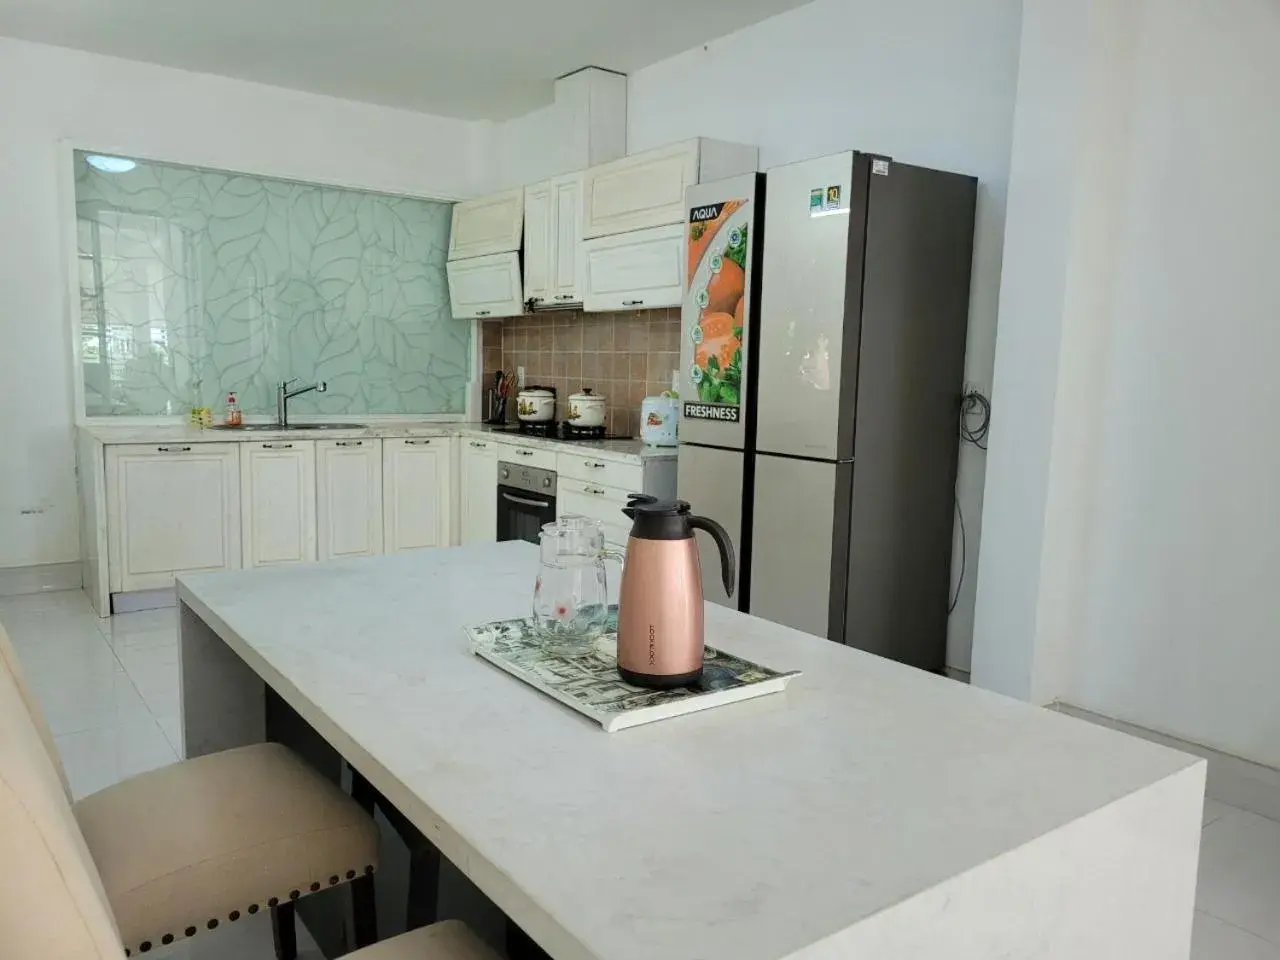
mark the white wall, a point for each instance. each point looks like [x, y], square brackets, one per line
[46, 94]
[1181, 632]
[930, 82]
[1066, 190]
[1132, 546]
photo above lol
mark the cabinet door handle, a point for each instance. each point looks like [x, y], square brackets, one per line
[174, 449]
[564, 296]
[483, 313]
[524, 453]
[594, 464]
[596, 491]
[351, 443]
[277, 446]
[633, 303]
[416, 443]
[479, 443]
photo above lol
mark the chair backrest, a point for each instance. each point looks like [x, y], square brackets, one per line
[53, 903]
[9, 660]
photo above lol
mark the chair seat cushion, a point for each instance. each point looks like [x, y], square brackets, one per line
[203, 842]
[448, 940]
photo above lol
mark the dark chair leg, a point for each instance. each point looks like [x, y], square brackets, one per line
[362, 791]
[284, 932]
[520, 945]
[424, 885]
[364, 911]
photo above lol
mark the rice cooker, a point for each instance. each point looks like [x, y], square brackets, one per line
[659, 417]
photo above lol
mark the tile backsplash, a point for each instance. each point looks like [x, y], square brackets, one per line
[624, 356]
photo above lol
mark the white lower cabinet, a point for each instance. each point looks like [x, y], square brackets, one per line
[605, 504]
[478, 496]
[348, 498]
[189, 506]
[417, 487]
[171, 508]
[278, 492]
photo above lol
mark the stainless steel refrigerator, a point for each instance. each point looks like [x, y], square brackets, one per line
[851, 403]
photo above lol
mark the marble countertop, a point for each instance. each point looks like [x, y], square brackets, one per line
[629, 450]
[756, 831]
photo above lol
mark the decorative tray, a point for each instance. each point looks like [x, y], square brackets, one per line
[590, 683]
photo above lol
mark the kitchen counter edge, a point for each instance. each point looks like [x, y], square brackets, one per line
[632, 451]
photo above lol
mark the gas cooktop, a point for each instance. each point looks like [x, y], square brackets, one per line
[561, 431]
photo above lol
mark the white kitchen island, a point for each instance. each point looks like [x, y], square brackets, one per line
[870, 811]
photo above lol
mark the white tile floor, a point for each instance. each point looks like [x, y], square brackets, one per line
[110, 689]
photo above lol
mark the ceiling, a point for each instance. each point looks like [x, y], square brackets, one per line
[490, 59]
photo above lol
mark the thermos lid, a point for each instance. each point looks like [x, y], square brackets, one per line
[656, 519]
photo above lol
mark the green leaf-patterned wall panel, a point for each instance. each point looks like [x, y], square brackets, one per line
[195, 283]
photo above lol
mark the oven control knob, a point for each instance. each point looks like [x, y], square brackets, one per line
[506, 474]
[546, 481]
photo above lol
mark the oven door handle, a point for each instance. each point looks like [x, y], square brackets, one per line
[524, 501]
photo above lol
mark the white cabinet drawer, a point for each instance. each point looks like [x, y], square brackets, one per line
[627, 477]
[527, 456]
[631, 271]
[605, 504]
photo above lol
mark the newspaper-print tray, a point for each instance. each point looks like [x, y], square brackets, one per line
[590, 684]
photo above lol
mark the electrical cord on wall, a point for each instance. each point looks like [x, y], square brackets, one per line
[964, 555]
[972, 404]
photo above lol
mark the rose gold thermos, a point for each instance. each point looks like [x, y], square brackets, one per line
[660, 638]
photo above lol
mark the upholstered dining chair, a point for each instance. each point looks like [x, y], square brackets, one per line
[172, 853]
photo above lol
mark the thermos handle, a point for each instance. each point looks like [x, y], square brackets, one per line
[726, 548]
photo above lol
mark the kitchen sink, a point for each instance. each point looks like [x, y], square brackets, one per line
[256, 427]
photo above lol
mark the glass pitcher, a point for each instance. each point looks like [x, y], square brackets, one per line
[570, 598]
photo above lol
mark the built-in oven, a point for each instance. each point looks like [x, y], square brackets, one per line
[526, 500]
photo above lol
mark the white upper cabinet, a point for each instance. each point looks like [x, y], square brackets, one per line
[634, 271]
[486, 225]
[278, 501]
[566, 203]
[486, 286]
[348, 498]
[553, 240]
[647, 189]
[539, 242]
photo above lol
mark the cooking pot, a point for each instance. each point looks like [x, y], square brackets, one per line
[536, 405]
[586, 409]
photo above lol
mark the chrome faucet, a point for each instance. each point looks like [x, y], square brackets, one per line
[284, 395]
